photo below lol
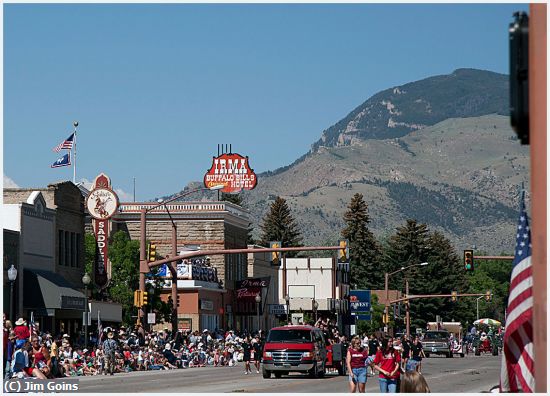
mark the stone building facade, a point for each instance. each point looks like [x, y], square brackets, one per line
[50, 256]
[200, 225]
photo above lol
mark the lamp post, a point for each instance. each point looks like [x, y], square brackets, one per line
[86, 280]
[315, 305]
[477, 306]
[386, 281]
[287, 299]
[258, 299]
[144, 267]
[12, 276]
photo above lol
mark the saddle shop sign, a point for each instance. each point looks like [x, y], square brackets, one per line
[102, 204]
[232, 171]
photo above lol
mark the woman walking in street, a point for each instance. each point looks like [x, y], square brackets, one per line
[387, 362]
[246, 354]
[355, 362]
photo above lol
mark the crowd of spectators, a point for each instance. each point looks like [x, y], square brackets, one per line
[31, 353]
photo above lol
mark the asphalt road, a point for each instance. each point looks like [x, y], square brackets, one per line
[471, 374]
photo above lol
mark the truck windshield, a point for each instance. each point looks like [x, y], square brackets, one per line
[435, 335]
[289, 336]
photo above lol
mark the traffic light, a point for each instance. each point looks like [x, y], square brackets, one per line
[143, 298]
[151, 252]
[137, 298]
[488, 295]
[469, 260]
[275, 256]
[343, 252]
[453, 296]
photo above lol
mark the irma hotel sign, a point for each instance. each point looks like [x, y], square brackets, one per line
[231, 170]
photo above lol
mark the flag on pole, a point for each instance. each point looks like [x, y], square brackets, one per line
[32, 327]
[66, 144]
[99, 329]
[62, 161]
[517, 369]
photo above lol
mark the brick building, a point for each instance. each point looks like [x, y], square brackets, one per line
[44, 239]
[200, 225]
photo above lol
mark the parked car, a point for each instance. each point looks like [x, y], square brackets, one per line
[294, 349]
[437, 342]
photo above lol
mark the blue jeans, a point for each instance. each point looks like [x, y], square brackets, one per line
[387, 385]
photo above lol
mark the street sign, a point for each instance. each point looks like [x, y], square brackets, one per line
[277, 309]
[363, 317]
[151, 318]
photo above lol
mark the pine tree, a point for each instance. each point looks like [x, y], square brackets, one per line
[237, 199]
[410, 246]
[279, 225]
[364, 249]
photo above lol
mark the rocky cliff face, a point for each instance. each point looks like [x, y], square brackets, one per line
[439, 150]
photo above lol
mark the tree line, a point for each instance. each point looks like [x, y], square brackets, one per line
[370, 258]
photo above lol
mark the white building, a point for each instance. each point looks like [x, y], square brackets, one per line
[323, 280]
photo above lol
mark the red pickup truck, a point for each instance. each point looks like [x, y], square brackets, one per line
[294, 349]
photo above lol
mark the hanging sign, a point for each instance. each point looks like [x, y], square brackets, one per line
[232, 171]
[102, 204]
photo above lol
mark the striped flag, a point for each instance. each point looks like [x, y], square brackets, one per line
[66, 144]
[517, 370]
[99, 329]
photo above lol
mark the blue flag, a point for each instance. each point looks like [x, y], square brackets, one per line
[63, 161]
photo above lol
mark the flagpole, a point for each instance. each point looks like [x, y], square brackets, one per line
[74, 154]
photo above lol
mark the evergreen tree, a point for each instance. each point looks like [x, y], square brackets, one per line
[279, 225]
[410, 246]
[364, 249]
[237, 199]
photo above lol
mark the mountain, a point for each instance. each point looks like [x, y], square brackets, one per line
[398, 111]
[439, 150]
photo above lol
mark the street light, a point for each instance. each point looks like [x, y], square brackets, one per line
[258, 301]
[387, 275]
[144, 267]
[477, 305]
[287, 299]
[12, 276]
[86, 280]
[315, 306]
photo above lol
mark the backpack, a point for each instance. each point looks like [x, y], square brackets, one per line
[18, 362]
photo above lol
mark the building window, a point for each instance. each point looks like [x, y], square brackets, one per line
[61, 251]
[67, 248]
[78, 241]
[72, 251]
[178, 301]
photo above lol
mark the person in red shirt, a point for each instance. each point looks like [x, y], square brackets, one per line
[21, 330]
[355, 361]
[388, 363]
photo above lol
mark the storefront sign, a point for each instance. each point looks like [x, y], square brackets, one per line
[195, 269]
[232, 171]
[248, 289]
[70, 302]
[185, 323]
[102, 204]
[277, 309]
[207, 305]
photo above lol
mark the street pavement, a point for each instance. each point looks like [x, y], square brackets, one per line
[471, 374]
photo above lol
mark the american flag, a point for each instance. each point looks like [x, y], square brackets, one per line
[99, 329]
[517, 370]
[66, 144]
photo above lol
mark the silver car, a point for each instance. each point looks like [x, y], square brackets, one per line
[437, 342]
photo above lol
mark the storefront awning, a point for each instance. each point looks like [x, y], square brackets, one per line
[46, 290]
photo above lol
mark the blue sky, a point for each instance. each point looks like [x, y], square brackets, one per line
[156, 88]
